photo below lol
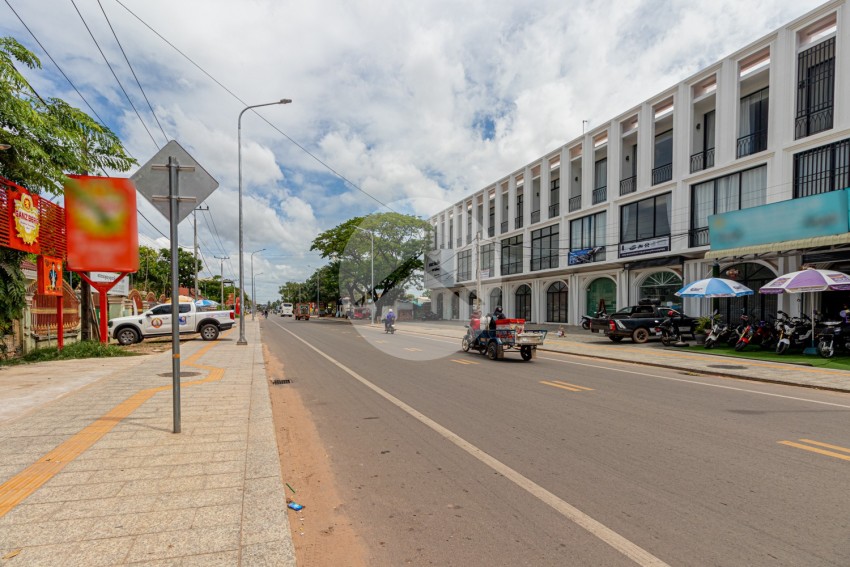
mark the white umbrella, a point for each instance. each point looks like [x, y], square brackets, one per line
[714, 287]
[808, 280]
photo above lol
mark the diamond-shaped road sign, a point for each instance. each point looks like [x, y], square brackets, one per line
[194, 183]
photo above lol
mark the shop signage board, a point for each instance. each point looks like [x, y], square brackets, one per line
[121, 288]
[24, 221]
[648, 246]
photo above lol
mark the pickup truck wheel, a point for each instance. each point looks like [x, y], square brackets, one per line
[615, 338]
[209, 332]
[128, 336]
[640, 335]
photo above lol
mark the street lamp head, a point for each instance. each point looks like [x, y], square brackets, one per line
[285, 100]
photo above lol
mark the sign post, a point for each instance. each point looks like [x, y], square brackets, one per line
[197, 186]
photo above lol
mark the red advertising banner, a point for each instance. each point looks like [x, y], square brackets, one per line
[25, 221]
[100, 218]
[49, 272]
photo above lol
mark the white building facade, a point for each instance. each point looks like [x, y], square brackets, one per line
[622, 213]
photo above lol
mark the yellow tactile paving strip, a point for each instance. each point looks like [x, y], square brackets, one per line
[22, 485]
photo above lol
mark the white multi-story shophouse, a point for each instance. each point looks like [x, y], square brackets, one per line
[623, 212]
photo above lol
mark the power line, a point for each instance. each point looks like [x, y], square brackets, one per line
[234, 95]
[114, 75]
[55, 63]
[164, 135]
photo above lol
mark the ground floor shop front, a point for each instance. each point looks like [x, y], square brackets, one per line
[563, 298]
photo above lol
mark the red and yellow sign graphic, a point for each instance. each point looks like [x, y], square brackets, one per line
[49, 272]
[25, 221]
[100, 218]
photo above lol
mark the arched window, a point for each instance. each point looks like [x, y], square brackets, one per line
[472, 298]
[663, 287]
[758, 305]
[440, 306]
[556, 303]
[601, 293]
[495, 299]
[456, 305]
[523, 303]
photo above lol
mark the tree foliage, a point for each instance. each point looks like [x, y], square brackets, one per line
[155, 270]
[399, 242]
[49, 139]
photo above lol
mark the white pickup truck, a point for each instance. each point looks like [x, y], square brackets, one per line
[156, 322]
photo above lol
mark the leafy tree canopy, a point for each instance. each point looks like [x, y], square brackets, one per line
[399, 242]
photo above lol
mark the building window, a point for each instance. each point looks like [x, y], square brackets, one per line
[468, 225]
[600, 181]
[518, 220]
[456, 305]
[556, 303]
[523, 303]
[464, 265]
[487, 259]
[512, 255]
[753, 129]
[740, 190]
[495, 299]
[822, 169]
[663, 170]
[555, 198]
[662, 287]
[648, 218]
[587, 239]
[815, 89]
[491, 225]
[451, 231]
[544, 248]
[434, 234]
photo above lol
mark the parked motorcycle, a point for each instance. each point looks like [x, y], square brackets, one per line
[784, 329]
[833, 337]
[719, 332]
[585, 319]
[670, 332]
[745, 335]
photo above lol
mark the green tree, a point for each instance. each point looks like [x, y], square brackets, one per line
[399, 243]
[48, 139]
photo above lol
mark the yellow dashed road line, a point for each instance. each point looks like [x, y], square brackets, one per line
[22, 485]
[566, 386]
[819, 451]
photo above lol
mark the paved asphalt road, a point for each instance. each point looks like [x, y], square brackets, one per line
[459, 460]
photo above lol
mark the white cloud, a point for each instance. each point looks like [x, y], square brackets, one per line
[404, 99]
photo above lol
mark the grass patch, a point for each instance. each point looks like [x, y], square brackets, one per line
[83, 349]
[838, 362]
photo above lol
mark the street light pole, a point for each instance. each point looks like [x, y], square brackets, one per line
[372, 257]
[222, 258]
[242, 340]
[253, 294]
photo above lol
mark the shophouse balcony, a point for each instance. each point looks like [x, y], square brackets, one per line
[662, 173]
[702, 160]
[754, 143]
[628, 185]
[535, 216]
[491, 231]
[517, 222]
[554, 210]
[504, 227]
[698, 237]
[575, 203]
[600, 195]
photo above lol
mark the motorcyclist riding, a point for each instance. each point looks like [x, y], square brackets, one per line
[388, 321]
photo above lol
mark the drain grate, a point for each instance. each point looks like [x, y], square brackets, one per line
[182, 374]
[727, 366]
[282, 381]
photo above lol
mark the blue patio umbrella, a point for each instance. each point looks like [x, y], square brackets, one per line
[714, 287]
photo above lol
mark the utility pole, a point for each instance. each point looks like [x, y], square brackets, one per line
[222, 258]
[195, 217]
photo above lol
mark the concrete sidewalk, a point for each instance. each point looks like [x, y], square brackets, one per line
[694, 358]
[96, 477]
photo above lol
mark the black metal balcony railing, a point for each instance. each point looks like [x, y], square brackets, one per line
[662, 173]
[517, 222]
[698, 237]
[628, 185]
[535, 216]
[600, 195]
[702, 160]
[554, 210]
[575, 203]
[753, 143]
[504, 227]
[491, 230]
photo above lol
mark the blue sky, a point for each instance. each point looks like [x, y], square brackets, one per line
[406, 100]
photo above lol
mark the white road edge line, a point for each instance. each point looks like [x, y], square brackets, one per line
[599, 530]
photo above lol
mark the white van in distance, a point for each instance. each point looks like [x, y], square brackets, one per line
[286, 310]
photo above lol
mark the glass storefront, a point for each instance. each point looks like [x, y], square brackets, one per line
[662, 286]
[523, 303]
[601, 293]
[556, 303]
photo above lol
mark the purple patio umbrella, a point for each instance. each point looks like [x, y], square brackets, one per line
[806, 281]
